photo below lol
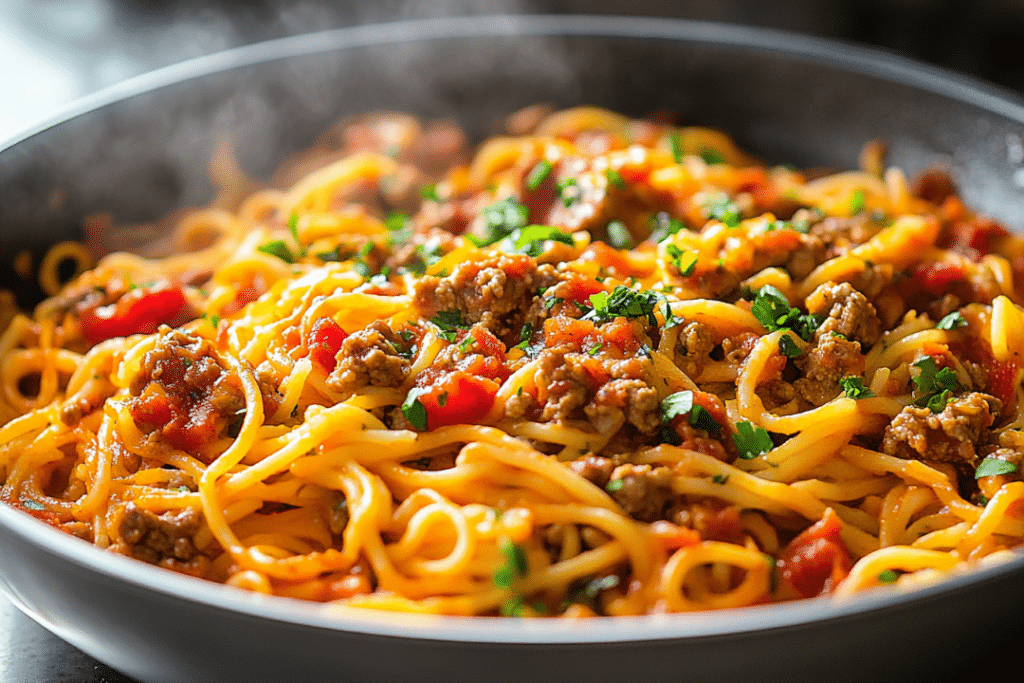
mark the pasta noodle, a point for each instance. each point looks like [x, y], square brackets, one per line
[601, 366]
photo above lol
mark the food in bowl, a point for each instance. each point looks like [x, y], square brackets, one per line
[596, 366]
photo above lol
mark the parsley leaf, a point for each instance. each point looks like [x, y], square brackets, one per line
[788, 347]
[614, 485]
[538, 174]
[772, 309]
[752, 441]
[684, 261]
[615, 178]
[951, 322]
[449, 322]
[530, 240]
[277, 248]
[854, 388]
[413, 409]
[991, 467]
[676, 143]
[501, 219]
[568, 189]
[936, 386]
[682, 403]
[515, 565]
[622, 302]
[857, 202]
[723, 209]
[293, 228]
[664, 226]
[30, 504]
[711, 156]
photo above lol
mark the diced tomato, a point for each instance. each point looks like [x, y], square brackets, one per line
[816, 560]
[973, 239]
[579, 288]
[139, 311]
[936, 277]
[324, 342]
[563, 331]
[1002, 383]
[459, 398]
[780, 240]
[621, 334]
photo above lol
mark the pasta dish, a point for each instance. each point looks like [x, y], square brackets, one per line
[595, 366]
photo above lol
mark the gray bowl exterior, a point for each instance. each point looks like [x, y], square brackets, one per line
[143, 150]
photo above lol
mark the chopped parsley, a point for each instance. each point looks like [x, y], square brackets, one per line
[676, 143]
[359, 262]
[721, 208]
[595, 349]
[501, 219]
[525, 335]
[888, 576]
[622, 302]
[788, 347]
[30, 504]
[538, 174]
[293, 228]
[568, 189]
[515, 565]
[752, 441]
[951, 322]
[772, 309]
[618, 236]
[429, 192]
[400, 228]
[449, 323]
[720, 478]
[992, 467]
[853, 387]
[530, 240]
[936, 386]
[585, 592]
[614, 485]
[857, 202]
[413, 409]
[277, 248]
[664, 226]
[711, 156]
[615, 178]
[682, 403]
[684, 261]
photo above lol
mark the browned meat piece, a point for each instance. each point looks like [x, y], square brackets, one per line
[839, 234]
[166, 540]
[594, 469]
[624, 399]
[828, 361]
[949, 436]
[644, 491]
[694, 345]
[934, 185]
[633, 398]
[849, 312]
[183, 394]
[496, 291]
[368, 357]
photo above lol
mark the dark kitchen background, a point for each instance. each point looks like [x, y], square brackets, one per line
[55, 51]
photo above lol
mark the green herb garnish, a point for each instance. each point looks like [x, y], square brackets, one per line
[538, 174]
[618, 235]
[752, 441]
[515, 565]
[414, 410]
[992, 467]
[772, 309]
[788, 347]
[501, 219]
[951, 322]
[854, 388]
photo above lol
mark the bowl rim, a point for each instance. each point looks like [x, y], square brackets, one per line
[499, 630]
[854, 57]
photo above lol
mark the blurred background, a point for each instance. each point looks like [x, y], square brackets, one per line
[54, 51]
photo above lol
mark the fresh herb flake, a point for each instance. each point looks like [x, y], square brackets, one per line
[951, 322]
[853, 387]
[752, 441]
[619, 236]
[992, 467]
[538, 174]
[277, 248]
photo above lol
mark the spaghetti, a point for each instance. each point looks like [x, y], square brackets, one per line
[599, 367]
